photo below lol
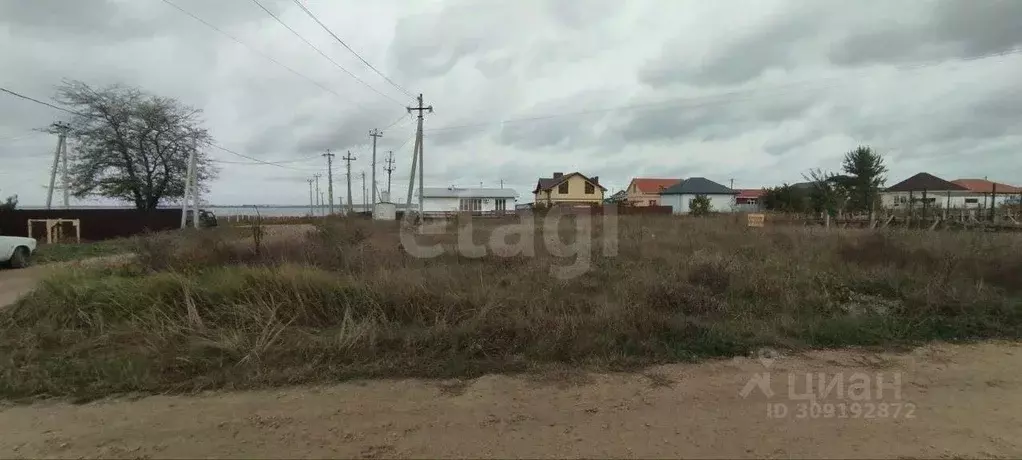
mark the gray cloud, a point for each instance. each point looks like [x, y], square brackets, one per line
[713, 119]
[953, 29]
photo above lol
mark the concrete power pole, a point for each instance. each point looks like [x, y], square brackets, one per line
[58, 153]
[348, 159]
[330, 177]
[390, 170]
[364, 203]
[417, 156]
[65, 180]
[188, 188]
[319, 195]
[375, 134]
[312, 201]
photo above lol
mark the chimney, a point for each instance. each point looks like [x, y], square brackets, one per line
[596, 179]
[558, 175]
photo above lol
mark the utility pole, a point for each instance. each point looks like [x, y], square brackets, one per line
[417, 155]
[375, 134]
[64, 179]
[61, 150]
[363, 190]
[390, 170]
[348, 159]
[330, 177]
[502, 183]
[195, 186]
[188, 188]
[312, 201]
[319, 195]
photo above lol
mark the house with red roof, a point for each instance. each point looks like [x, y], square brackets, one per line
[749, 199]
[645, 191]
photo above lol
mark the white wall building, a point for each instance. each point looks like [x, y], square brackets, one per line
[678, 196]
[956, 194]
[450, 200]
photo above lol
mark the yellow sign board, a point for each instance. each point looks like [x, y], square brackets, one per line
[756, 220]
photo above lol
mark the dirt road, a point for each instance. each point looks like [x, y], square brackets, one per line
[964, 401]
[16, 283]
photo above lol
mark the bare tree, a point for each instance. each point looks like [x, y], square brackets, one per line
[131, 145]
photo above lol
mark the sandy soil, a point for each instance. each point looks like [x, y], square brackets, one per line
[965, 401]
[15, 283]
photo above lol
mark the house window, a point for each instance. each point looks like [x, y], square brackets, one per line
[470, 204]
[972, 201]
[903, 199]
[500, 205]
[590, 189]
[563, 188]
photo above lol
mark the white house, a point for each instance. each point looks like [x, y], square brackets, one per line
[678, 196]
[924, 188]
[449, 200]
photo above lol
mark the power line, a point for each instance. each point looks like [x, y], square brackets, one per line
[321, 53]
[718, 98]
[275, 162]
[260, 53]
[402, 117]
[256, 160]
[22, 136]
[37, 101]
[332, 34]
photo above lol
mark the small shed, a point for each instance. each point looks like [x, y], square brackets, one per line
[385, 211]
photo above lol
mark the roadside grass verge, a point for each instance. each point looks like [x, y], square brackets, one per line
[348, 301]
[69, 252]
[66, 252]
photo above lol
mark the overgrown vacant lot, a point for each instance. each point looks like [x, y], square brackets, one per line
[201, 310]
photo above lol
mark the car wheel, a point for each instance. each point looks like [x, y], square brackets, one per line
[20, 258]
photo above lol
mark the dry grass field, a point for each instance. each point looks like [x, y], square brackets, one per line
[345, 299]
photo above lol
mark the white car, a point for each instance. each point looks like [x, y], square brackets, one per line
[16, 251]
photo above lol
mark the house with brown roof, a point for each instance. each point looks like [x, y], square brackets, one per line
[925, 188]
[571, 188]
[984, 193]
[645, 191]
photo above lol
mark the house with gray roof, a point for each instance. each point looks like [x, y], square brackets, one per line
[678, 196]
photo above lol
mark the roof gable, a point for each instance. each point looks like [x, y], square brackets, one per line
[547, 183]
[924, 181]
[652, 185]
[698, 186]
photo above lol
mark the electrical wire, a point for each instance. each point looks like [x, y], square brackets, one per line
[321, 53]
[345, 45]
[37, 101]
[262, 162]
[260, 53]
[22, 136]
[391, 125]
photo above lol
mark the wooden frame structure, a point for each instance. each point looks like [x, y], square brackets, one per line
[54, 231]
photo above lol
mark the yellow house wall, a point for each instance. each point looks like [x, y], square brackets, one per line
[576, 193]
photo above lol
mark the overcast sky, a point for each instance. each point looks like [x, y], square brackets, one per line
[758, 91]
